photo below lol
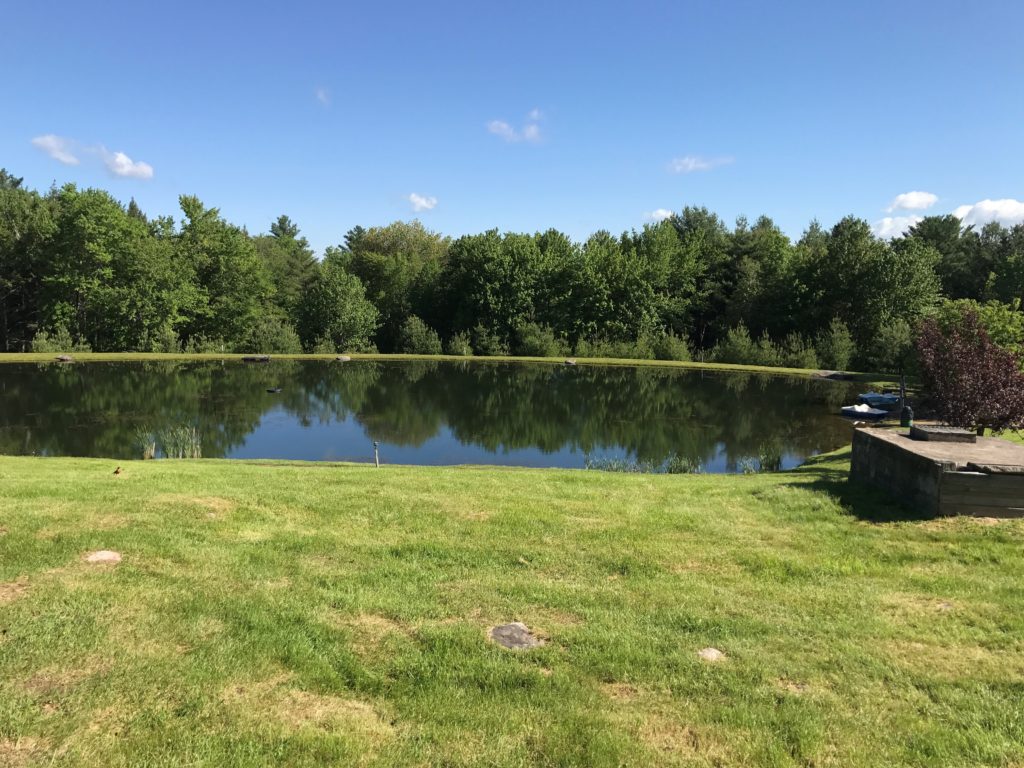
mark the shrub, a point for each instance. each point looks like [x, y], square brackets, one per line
[272, 335]
[459, 344]
[890, 350]
[668, 346]
[835, 346]
[324, 345]
[539, 341]
[736, 347]
[798, 352]
[640, 349]
[199, 345]
[165, 340]
[486, 342]
[57, 339]
[418, 338]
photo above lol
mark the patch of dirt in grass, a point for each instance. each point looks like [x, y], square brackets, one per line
[791, 686]
[947, 662]
[214, 506]
[960, 522]
[701, 566]
[11, 591]
[15, 753]
[624, 692]
[295, 709]
[368, 630]
[55, 680]
[3, 531]
[909, 603]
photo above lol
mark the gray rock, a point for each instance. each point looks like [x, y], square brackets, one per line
[515, 636]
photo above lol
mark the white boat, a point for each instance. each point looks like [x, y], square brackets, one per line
[863, 412]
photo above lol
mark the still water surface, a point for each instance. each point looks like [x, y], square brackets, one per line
[420, 412]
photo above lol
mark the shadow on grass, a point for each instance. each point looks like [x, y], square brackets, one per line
[830, 474]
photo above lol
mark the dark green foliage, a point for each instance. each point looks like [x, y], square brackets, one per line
[459, 344]
[835, 346]
[533, 340]
[57, 339]
[487, 343]
[418, 338]
[668, 346]
[272, 334]
[336, 311]
[117, 279]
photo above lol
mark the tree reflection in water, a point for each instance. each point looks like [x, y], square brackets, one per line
[645, 414]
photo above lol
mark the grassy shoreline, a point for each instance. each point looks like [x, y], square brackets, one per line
[280, 613]
[86, 357]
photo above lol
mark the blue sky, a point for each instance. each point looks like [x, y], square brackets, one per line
[523, 116]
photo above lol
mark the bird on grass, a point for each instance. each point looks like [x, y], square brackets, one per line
[117, 471]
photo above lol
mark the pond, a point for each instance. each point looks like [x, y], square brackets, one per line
[423, 412]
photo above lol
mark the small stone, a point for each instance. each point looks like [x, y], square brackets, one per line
[515, 636]
[104, 556]
[711, 655]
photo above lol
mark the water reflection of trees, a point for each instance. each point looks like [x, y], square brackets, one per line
[647, 413]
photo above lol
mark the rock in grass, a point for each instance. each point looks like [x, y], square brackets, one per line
[711, 655]
[515, 636]
[103, 556]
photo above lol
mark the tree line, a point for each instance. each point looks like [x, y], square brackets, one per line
[81, 270]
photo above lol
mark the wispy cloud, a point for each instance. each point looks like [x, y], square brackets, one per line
[67, 151]
[530, 131]
[1006, 211]
[57, 147]
[912, 201]
[322, 95]
[421, 203]
[658, 214]
[893, 226]
[694, 163]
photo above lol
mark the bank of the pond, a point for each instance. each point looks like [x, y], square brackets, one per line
[878, 379]
[271, 614]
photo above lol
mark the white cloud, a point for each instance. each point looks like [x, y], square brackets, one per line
[421, 203]
[658, 214]
[67, 150]
[893, 226]
[57, 147]
[503, 129]
[322, 95]
[912, 201]
[692, 163]
[1006, 211]
[530, 131]
[119, 164]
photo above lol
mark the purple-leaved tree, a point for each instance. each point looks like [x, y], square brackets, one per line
[971, 382]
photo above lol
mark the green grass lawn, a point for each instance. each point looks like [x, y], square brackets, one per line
[288, 614]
